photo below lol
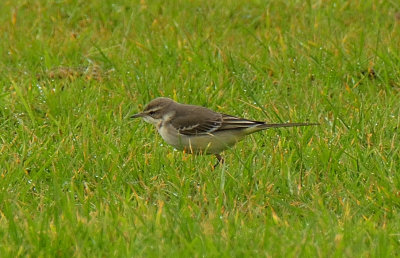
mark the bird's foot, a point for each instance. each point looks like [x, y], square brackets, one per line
[220, 160]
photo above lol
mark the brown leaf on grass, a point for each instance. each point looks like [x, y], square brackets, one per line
[91, 72]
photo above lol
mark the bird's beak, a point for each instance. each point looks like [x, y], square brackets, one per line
[138, 115]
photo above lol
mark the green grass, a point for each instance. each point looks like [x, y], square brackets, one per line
[78, 177]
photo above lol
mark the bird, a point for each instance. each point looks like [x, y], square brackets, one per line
[199, 130]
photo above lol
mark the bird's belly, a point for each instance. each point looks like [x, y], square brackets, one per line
[208, 144]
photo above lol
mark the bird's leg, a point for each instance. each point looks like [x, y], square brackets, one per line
[220, 160]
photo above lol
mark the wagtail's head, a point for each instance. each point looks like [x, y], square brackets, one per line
[156, 111]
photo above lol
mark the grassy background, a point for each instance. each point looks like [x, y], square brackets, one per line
[78, 177]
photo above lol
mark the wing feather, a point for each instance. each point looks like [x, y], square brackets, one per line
[218, 123]
[195, 120]
[206, 127]
[237, 123]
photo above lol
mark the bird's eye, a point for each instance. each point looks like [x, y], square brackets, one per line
[152, 113]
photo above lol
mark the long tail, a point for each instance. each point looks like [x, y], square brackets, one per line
[265, 126]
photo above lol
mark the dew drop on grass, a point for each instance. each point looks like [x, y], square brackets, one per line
[39, 88]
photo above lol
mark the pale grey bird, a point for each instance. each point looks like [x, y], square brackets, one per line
[197, 129]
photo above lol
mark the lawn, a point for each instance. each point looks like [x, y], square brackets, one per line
[78, 177]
